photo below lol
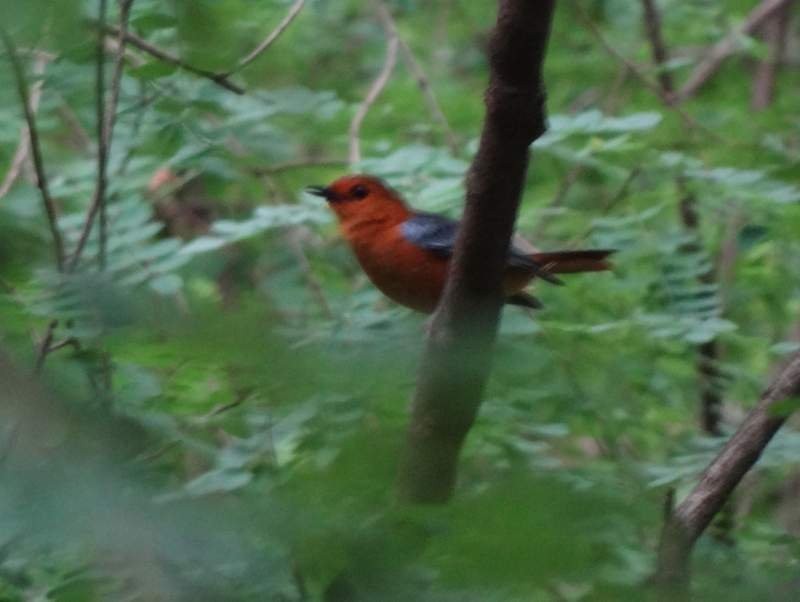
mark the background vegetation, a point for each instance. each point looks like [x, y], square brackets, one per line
[221, 395]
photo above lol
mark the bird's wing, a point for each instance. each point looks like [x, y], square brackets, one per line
[434, 233]
[437, 234]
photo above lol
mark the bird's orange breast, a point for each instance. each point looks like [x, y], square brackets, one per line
[402, 271]
[408, 274]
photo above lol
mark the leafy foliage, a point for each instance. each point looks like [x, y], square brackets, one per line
[221, 410]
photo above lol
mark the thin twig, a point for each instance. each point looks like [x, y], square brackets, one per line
[18, 161]
[222, 408]
[70, 342]
[44, 347]
[622, 193]
[221, 79]
[24, 146]
[652, 27]
[294, 10]
[102, 146]
[106, 110]
[392, 43]
[654, 87]
[38, 161]
[423, 81]
[720, 51]
[116, 78]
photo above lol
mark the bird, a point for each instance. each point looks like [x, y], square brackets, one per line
[405, 253]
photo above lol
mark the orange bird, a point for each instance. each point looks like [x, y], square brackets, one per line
[406, 253]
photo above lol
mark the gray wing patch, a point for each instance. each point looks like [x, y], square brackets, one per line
[437, 234]
[431, 232]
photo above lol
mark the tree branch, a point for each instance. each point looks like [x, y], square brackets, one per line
[720, 51]
[455, 365]
[423, 82]
[38, 160]
[708, 352]
[106, 111]
[667, 99]
[774, 33]
[44, 347]
[221, 79]
[294, 10]
[688, 521]
[652, 27]
[24, 145]
[354, 154]
[99, 201]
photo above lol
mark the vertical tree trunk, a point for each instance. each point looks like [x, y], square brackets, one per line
[457, 358]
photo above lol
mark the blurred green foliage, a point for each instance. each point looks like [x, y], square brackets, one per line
[222, 417]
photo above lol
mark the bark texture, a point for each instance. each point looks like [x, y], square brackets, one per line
[688, 521]
[456, 362]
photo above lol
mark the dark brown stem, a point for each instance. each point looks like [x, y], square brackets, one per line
[692, 516]
[708, 352]
[106, 111]
[455, 365]
[652, 27]
[23, 147]
[116, 78]
[221, 79]
[667, 99]
[36, 149]
[45, 347]
[774, 33]
[716, 55]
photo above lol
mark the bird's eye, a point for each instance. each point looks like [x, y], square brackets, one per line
[359, 191]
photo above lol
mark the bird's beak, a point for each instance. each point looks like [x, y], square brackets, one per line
[322, 191]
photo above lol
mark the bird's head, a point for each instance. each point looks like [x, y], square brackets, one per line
[358, 197]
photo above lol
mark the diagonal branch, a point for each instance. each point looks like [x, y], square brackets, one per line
[24, 146]
[162, 55]
[720, 51]
[455, 365]
[38, 160]
[667, 99]
[688, 521]
[423, 82]
[392, 42]
[294, 10]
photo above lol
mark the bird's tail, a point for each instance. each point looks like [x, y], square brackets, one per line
[568, 262]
